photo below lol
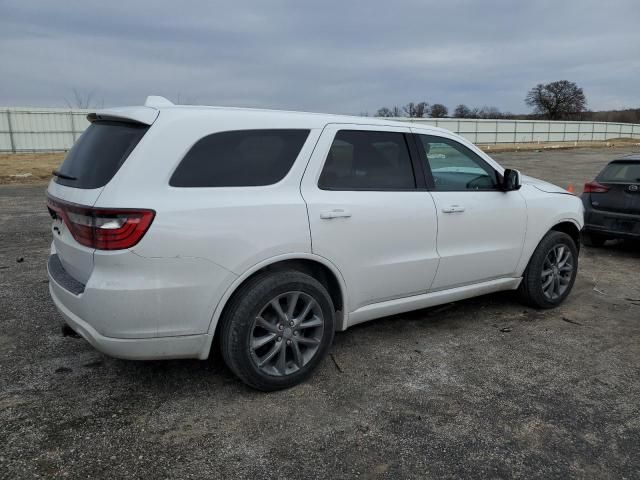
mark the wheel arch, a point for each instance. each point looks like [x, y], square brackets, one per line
[314, 265]
[570, 228]
[563, 223]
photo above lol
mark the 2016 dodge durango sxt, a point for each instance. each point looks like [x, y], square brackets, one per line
[266, 231]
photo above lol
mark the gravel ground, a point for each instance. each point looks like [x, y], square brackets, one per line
[480, 388]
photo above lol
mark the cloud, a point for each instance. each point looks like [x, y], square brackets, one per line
[331, 56]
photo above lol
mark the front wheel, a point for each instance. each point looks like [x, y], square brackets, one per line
[551, 272]
[277, 329]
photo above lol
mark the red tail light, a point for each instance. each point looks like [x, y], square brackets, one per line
[595, 187]
[102, 228]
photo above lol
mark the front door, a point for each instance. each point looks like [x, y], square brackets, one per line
[481, 228]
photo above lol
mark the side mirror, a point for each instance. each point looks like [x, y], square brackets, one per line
[511, 180]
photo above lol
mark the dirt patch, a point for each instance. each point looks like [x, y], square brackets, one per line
[28, 168]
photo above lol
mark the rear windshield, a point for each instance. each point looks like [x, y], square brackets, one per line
[99, 153]
[627, 172]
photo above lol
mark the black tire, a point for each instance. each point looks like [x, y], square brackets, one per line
[531, 290]
[594, 239]
[238, 324]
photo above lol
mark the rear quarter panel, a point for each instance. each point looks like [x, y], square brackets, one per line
[228, 229]
[234, 227]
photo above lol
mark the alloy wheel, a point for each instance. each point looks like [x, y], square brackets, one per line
[557, 271]
[286, 334]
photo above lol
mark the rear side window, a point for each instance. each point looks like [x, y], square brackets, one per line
[99, 153]
[243, 158]
[626, 172]
[368, 160]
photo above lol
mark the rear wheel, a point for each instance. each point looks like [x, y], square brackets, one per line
[277, 329]
[551, 272]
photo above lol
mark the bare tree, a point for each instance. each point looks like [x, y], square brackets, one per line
[416, 110]
[80, 99]
[474, 113]
[557, 100]
[438, 110]
[410, 109]
[421, 109]
[384, 112]
[462, 111]
[488, 112]
[396, 111]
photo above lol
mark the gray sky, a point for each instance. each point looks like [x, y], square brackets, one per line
[329, 56]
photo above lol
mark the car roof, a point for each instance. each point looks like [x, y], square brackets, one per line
[306, 119]
[632, 157]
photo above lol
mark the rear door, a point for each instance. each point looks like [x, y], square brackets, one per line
[368, 215]
[481, 228]
[622, 178]
[90, 164]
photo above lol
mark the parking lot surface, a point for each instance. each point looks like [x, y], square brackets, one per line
[479, 388]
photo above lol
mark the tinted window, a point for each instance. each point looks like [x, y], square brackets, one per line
[242, 158]
[365, 160]
[99, 153]
[454, 167]
[626, 172]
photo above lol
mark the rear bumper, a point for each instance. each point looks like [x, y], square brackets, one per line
[141, 308]
[618, 225]
[185, 346]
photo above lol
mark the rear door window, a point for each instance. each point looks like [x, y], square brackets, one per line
[621, 172]
[242, 158]
[99, 153]
[368, 160]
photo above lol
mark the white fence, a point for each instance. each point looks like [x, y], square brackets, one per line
[40, 129]
[55, 129]
[528, 131]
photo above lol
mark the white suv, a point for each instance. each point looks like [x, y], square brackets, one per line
[266, 231]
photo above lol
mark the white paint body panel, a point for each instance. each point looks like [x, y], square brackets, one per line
[482, 242]
[367, 247]
[396, 251]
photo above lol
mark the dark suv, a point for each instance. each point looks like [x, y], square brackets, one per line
[612, 202]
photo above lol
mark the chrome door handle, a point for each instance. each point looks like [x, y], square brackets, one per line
[336, 213]
[453, 209]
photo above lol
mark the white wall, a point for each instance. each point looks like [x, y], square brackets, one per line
[52, 129]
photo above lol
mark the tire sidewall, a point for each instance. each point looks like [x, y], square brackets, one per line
[237, 334]
[537, 262]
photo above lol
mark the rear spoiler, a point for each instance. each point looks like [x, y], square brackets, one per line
[145, 115]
